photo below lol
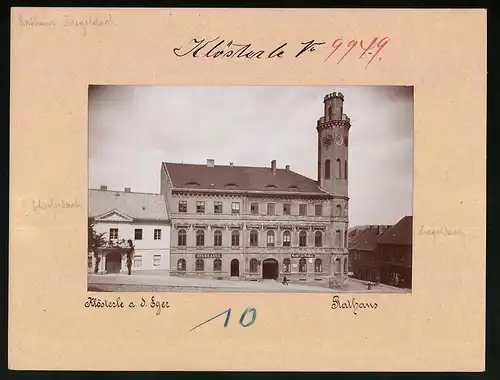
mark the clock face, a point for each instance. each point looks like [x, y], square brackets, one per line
[339, 140]
[327, 140]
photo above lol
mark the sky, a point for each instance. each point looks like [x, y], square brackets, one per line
[133, 129]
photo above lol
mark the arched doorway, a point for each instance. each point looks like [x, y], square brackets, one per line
[270, 269]
[113, 262]
[235, 268]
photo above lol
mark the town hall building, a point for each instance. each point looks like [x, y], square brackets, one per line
[254, 223]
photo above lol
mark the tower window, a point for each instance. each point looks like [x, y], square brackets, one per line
[330, 112]
[339, 168]
[345, 169]
[327, 169]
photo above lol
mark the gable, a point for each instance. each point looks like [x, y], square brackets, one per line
[114, 216]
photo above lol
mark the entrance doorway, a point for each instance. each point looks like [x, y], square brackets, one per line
[235, 268]
[113, 262]
[270, 269]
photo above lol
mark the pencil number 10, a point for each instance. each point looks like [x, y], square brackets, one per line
[228, 315]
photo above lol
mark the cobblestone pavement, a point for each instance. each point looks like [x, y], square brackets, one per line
[160, 281]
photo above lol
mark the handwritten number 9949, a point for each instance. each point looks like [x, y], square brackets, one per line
[228, 315]
[374, 48]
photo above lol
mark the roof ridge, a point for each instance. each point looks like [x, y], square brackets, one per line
[122, 191]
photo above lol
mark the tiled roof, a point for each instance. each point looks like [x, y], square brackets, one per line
[239, 178]
[365, 241]
[145, 206]
[400, 234]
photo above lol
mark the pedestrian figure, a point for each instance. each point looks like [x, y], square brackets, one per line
[285, 281]
[369, 286]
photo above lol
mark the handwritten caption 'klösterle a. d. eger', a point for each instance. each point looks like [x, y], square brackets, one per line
[118, 303]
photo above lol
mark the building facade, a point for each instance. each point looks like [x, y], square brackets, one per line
[122, 216]
[256, 223]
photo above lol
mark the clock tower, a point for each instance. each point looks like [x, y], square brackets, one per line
[333, 139]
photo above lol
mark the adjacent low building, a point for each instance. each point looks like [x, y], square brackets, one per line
[126, 215]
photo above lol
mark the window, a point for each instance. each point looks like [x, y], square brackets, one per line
[287, 209]
[253, 266]
[200, 238]
[345, 169]
[181, 265]
[338, 239]
[302, 265]
[338, 210]
[302, 238]
[138, 261]
[287, 238]
[156, 260]
[270, 209]
[217, 238]
[327, 169]
[181, 237]
[345, 140]
[138, 234]
[303, 209]
[157, 234]
[113, 233]
[235, 238]
[330, 113]
[217, 265]
[318, 239]
[270, 238]
[318, 210]
[339, 168]
[199, 265]
[235, 207]
[200, 207]
[183, 206]
[337, 266]
[254, 238]
[286, 265]
[254, 208]
[217, 207]
[318, 267]
[346, 241]
[89, 261]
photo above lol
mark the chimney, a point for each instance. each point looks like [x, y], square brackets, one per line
[103, 188]
[287, 167]
[127, 189]
[210, 163]
[273, 166]
[231, 164]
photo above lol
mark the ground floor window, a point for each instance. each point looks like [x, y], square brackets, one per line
[89, 262]
[286, 265]
[181, 265]
[253, 266]
[318, 267]
[156, 260]
[302, 265]
[217, 265]
[200, 265]
[138, 261]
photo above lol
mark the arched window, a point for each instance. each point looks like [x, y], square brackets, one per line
[338, 210]
[254, 238]
[337, 266]
[200, 265]
[302, 238]
[302, 265]
[318, 239]
[346, 140]
[339, 168]
[345, 169]
[181, 237]
[346, 241]
[217, 238]
[200, 238]
[318, 267]
[286, 265]
[235, 238]
[330, 113]
[253, 266]
[287, 238]
[327, 169]
[217, 265]
[270, 238]
[181, 265]
[338, 239]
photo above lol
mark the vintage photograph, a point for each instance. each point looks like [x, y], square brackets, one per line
[250, 189]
